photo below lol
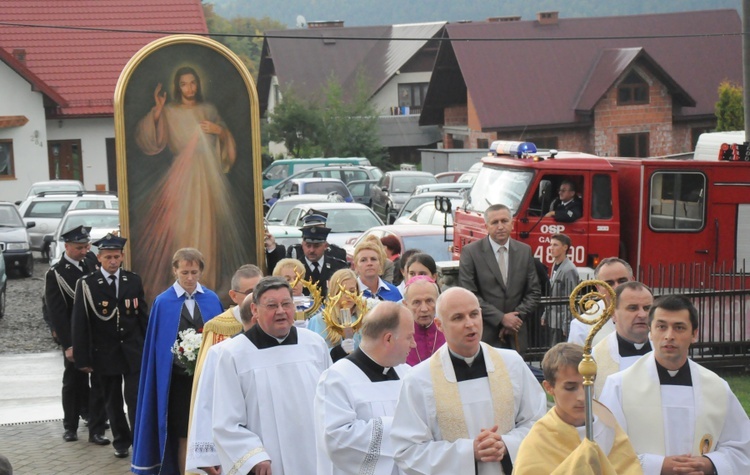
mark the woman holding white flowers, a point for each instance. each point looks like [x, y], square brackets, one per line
[160, 444]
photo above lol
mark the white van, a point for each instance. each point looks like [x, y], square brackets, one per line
[707, 148]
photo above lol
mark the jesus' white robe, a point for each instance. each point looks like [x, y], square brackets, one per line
[270, 413]
[416, 434]
[677, 417]
[353, 417]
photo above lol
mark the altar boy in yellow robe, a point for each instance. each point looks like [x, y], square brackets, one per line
[554, 444]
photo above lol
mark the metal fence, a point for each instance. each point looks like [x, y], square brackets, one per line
[720, 293]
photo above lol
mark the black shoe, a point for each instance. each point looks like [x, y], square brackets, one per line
[98, 439]
[121, 454]
[70, 436]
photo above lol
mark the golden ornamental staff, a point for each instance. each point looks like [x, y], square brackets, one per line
[315, 296]
[589, 305]
[341, 322]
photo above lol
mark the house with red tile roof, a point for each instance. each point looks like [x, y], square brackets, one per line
[643, 85]
[59, 64]
[395, 62]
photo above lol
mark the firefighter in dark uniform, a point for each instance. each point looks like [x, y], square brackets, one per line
[59, 290]
[316, 253]
[110, 317]
[566, 208]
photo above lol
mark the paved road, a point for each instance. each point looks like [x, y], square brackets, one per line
[31, 422]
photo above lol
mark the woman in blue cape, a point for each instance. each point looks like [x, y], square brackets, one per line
[160, 441]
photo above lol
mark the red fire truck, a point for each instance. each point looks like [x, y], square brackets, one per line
[647, 211]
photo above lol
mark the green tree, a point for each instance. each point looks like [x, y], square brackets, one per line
[247, 48]
[351, 126]
[297, 123]
[730, 113]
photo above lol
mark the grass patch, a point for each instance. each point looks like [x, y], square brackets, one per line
[740, 384]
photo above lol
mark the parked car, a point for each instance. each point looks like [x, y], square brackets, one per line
[345, 173]
[101, 222]
[426, 238]
[415, 201]
[393, 189]
[14, 240]
[360, 190]
[448, 177]
[47, 209]
[278, 211]
[427, 213]
[471, 175]
[287, 167]
[306, 186]
[3, 287]
[346, 220]
[52, 186]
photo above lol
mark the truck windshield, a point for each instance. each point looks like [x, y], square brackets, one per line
[495, 185]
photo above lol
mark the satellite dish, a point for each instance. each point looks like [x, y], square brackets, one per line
[301, 22]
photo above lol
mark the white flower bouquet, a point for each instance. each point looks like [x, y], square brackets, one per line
[186, 348]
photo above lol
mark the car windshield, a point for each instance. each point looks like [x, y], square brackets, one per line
[351, 220]
[9, 217]
[435, 245]
[53, 187]
[47, 209]
[325, 187]
[279, 210]
[414, 203]
[495, 185]
[104, 221]
[406, 184]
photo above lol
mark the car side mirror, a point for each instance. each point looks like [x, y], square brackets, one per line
[276, 195]
[18, 203]
[30, 224]
[49, 238]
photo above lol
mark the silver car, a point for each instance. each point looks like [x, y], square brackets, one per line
[101, 222]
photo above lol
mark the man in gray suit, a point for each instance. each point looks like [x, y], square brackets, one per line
[500, 272]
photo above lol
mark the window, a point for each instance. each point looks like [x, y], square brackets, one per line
[633, 90]
[543, 142]
[632, 145]
[90, 204]
[677, 201]
[47, 209]
[412, 96]
[7, 169]
[601, 197]
[483, 143]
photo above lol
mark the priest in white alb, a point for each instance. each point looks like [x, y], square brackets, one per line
[467, 408]
[201, 454]
[356, 397]
[680, 417]
[629, 342]
[271, 371]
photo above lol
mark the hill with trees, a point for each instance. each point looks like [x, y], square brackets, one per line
[386, 12]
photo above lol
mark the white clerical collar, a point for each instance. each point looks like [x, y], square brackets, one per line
[638, 346]
[385, 368]
[280, 340]
[468, 360]
[180, 291]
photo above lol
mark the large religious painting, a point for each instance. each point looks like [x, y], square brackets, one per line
[188, 161]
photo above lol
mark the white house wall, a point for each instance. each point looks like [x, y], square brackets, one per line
[387, 96]
[93, 134]
[29, 140]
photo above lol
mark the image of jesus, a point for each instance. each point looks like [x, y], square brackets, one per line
[190, 206]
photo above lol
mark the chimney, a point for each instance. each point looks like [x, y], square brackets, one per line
[326, 24]
[502, 19]
[20, 55]
[547, 18]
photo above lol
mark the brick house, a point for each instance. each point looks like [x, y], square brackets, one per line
[58, 83]
[643, 85]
